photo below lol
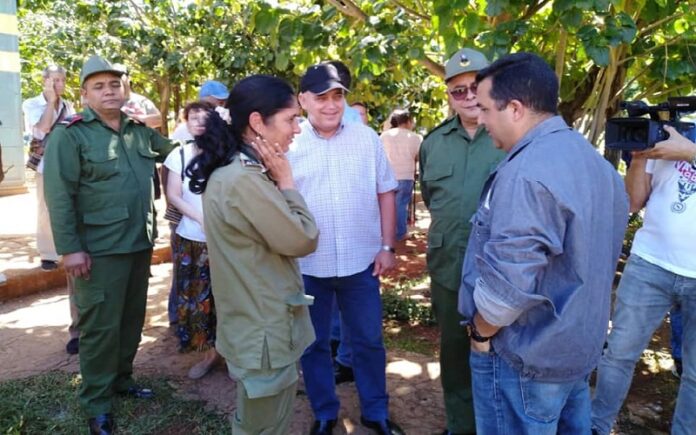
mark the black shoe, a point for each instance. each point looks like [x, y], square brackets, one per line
[101, 425]
[137, 392]
[73, 346]
[342, 373]
[47, 265]
[383, 427]
[322, 427]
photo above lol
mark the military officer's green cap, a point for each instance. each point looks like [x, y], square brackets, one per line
[97, 64]
[465, 60]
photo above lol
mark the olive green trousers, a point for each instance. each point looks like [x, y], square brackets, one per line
[111, 305]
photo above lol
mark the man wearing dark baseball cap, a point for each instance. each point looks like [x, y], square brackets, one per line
[320, 79]
[455, 159]
[342, 172]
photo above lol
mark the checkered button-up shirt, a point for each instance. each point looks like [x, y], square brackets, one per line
[340, 178]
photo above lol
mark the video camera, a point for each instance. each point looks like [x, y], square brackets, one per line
[637, 133]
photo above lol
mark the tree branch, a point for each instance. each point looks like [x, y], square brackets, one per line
[411, 11]
[533, 9]
[432, 66]
[651, 49]
[658, 23]
[349, 8]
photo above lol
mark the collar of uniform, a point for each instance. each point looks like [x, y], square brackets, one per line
[246, 157]
[90, 115]
[455, 124]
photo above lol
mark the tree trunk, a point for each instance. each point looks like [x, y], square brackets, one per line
[164, 88]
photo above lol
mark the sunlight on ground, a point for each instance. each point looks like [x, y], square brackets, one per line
[404, 368]
[656, 361]
[53, 311]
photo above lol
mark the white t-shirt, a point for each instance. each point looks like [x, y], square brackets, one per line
[668, 236]
[181, 133]
[188, 228]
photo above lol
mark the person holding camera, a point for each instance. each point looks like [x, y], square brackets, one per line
[661, 271]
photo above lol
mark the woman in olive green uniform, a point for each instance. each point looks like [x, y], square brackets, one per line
[256, 223]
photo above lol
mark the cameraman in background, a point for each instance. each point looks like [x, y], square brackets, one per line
[661, 271]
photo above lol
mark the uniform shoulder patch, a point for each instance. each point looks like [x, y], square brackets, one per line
[71, 120]
[252, 164]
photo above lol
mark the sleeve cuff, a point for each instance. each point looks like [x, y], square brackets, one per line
[494, 310]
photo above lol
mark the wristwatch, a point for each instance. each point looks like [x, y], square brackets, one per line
[474, 334]
[388, 248]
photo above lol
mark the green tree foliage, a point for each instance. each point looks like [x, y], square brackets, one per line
[603, 50]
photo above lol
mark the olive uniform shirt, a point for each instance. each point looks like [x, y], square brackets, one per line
[453, 169]
[98, 184]
[254, 233]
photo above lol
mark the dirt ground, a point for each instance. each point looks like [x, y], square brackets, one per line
[33, 331]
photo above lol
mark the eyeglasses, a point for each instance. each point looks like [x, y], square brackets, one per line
[461, 92]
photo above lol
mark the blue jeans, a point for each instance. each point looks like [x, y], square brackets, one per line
[339, 333]
[403, 197]
[675, 323]
[361, 313]
[507, 403]
[645, 294]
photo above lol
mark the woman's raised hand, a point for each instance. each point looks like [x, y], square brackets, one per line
[275, 161]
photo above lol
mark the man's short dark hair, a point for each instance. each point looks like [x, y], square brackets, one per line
[525, 77]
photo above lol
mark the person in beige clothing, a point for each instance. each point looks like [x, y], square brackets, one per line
[256, 224]
[401, 145]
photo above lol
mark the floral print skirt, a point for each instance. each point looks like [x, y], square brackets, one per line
[195, 306]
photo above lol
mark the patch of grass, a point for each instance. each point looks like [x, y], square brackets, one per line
[397, 304]
[47, 403]
[419, 339]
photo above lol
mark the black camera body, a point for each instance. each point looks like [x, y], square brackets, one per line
[636, 133]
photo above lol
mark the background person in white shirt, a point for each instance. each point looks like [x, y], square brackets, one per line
[402, 145]
[341, 171]
[41, 113]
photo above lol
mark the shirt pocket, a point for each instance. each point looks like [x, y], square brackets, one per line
[297, 304]
[437, 179]
[104, 228]
[101, 162]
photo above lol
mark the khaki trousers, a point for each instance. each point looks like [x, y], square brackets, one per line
[44, 235]
[268, 415]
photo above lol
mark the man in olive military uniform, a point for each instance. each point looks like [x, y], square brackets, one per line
[98, 169]
[455, 160]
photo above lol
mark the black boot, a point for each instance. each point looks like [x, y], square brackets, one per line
[101, 425]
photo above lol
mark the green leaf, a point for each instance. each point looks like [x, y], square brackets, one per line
[598, 53]
[496, 7]
[282, 59]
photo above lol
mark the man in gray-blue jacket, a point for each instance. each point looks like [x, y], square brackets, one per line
[540, 262]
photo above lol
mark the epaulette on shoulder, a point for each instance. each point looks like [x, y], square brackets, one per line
[252, 164]
[439, 126]
[71, 120]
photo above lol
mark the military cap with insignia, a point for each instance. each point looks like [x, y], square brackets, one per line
[97, 64]
[465, 60]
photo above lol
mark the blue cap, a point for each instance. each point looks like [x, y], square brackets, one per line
[212, 88]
